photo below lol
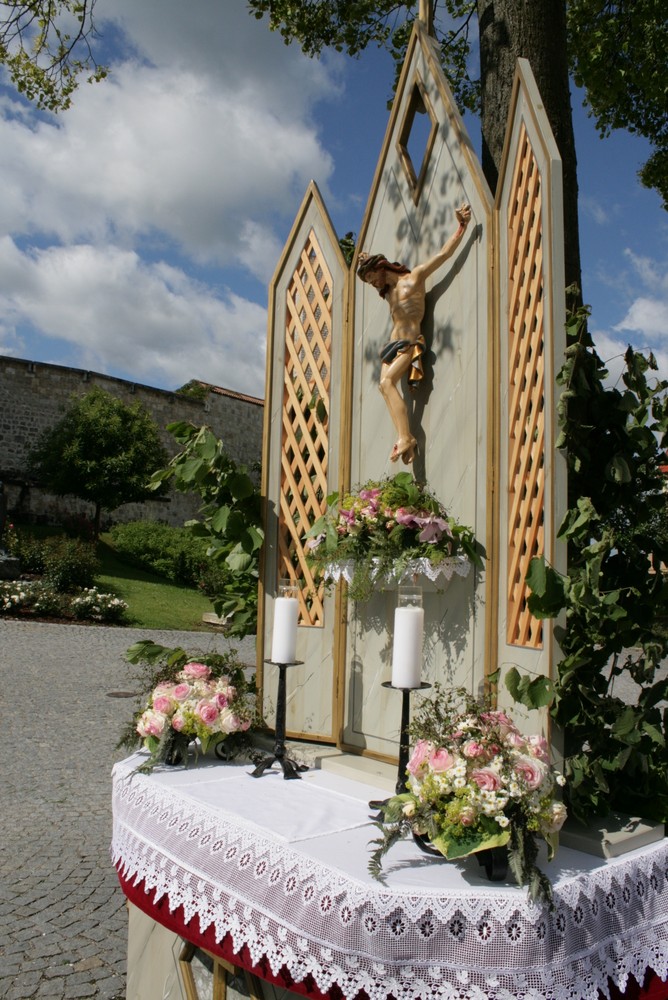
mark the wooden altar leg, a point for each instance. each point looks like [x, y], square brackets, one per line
[220, 969]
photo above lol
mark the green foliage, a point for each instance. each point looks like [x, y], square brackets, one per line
[40, 54]
[194, 390]
[66, 563]
[351, 27]
[615, 595]
[618, 53]
[616, 50]
[230, 518]
[101, 450]
[165, 550]
[347, 245]
[69, 564]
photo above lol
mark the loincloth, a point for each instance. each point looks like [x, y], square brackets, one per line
[415, 348]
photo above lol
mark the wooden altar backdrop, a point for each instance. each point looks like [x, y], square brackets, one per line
[483, 417]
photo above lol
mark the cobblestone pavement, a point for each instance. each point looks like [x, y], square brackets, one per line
[62, 913]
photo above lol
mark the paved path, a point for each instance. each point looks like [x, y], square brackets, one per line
[62, 914]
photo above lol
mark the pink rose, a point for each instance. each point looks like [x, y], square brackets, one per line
[473, 749]
[370, 494]
[207, 711]
[441, 760]
[556, 819]
[486, 779]
[230, 723]
[178, 722]
[515, 740]
[467, 816]
[163, 704]
[419, 757]
[538, 747]
[500, 719]
[405, 517]
[181, 692]
[151, 723]
[221, 700]
[531, 771]
[196, 670]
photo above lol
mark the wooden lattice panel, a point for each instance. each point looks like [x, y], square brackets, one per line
[306, 407]
[526, 393]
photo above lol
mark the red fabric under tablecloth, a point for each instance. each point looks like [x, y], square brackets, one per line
[653, 988]
[175, 921]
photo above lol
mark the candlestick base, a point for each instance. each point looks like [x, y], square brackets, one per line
[290, 767]
[377, 804]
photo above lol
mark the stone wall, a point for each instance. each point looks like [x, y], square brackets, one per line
[33, 396]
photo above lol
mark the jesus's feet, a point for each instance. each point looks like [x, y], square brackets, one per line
[404, 449]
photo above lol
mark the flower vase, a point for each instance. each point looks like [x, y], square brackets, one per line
[177, 751]
[494, 860]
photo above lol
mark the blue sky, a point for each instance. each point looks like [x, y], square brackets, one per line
[139, 229]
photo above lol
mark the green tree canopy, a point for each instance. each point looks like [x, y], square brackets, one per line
[102, 451]
[616, 50]
[46, 46]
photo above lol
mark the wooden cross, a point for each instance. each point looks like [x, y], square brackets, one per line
[426, 14]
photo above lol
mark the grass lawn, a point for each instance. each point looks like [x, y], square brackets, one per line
[152, 601]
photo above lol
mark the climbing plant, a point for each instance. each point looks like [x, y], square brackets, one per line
[614, 599]
[230, 518]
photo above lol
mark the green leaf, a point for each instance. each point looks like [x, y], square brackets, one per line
[618, 470]
[533, 693]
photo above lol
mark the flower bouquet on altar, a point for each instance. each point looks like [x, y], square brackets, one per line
[205, 701]
[388, 530]
[475, 783]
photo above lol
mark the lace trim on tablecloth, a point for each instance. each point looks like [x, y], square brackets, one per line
[453, 566]
[314, 920]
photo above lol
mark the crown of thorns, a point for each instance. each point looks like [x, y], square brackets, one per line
[375, 262]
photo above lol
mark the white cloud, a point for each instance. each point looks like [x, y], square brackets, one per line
[153, 152]
[192, 157]
[647, 313]
[135, 318]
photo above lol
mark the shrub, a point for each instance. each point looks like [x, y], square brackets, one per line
[69, 563]
[44, 600]
[28, 549]
[170, 552]
[91, 603]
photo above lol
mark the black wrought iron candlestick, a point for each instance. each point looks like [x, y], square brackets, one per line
[291, 768]
[403, 739]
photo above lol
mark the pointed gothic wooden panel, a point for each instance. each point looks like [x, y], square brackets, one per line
[532, 476]
[426, 169]
[306, 407]
[301, 454]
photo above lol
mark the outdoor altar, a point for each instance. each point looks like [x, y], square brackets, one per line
[271, 876]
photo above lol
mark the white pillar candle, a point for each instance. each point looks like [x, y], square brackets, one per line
[407, 647]
[284, 639]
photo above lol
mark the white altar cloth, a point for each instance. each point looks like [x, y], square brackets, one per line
[281, 866]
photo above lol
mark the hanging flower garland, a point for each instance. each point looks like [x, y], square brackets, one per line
[388, 530]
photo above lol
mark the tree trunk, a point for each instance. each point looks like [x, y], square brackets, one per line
[534, 30]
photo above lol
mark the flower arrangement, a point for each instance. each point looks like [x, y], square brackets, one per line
[388, 529]
[475, 783]
[207, 700]
[41, 599]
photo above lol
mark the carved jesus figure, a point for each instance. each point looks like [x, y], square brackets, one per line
[404, 291]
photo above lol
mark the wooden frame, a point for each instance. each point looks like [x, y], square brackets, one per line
[221, 967]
